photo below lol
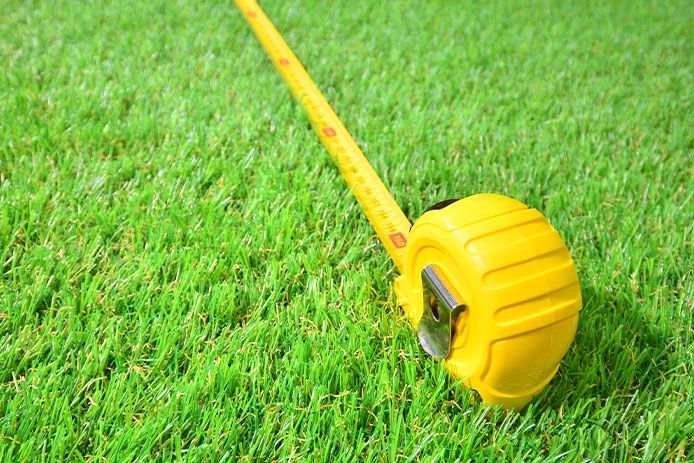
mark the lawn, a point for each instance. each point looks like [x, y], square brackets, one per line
[185, 275]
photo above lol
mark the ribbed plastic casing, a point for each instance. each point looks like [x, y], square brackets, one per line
[520, 286]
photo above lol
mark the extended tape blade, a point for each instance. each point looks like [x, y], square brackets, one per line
[386, 217]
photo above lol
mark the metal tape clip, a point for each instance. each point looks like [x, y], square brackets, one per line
[440, 312]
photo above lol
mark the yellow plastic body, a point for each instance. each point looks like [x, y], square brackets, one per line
[518, 282]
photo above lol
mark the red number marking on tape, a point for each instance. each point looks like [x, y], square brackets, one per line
[398, 240]
[329, 131]
[283, 61]
[251, 13]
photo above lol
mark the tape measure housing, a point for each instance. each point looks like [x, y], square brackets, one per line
[518, 283]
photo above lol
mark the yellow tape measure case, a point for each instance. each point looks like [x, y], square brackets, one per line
[519, 287]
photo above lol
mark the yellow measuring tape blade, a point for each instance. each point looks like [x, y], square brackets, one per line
[386, 217]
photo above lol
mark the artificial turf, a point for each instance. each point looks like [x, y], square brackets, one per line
[184, 274]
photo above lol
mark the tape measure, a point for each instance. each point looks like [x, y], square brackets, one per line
[487, 282]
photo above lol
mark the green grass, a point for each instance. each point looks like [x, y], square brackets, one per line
[184, 274]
